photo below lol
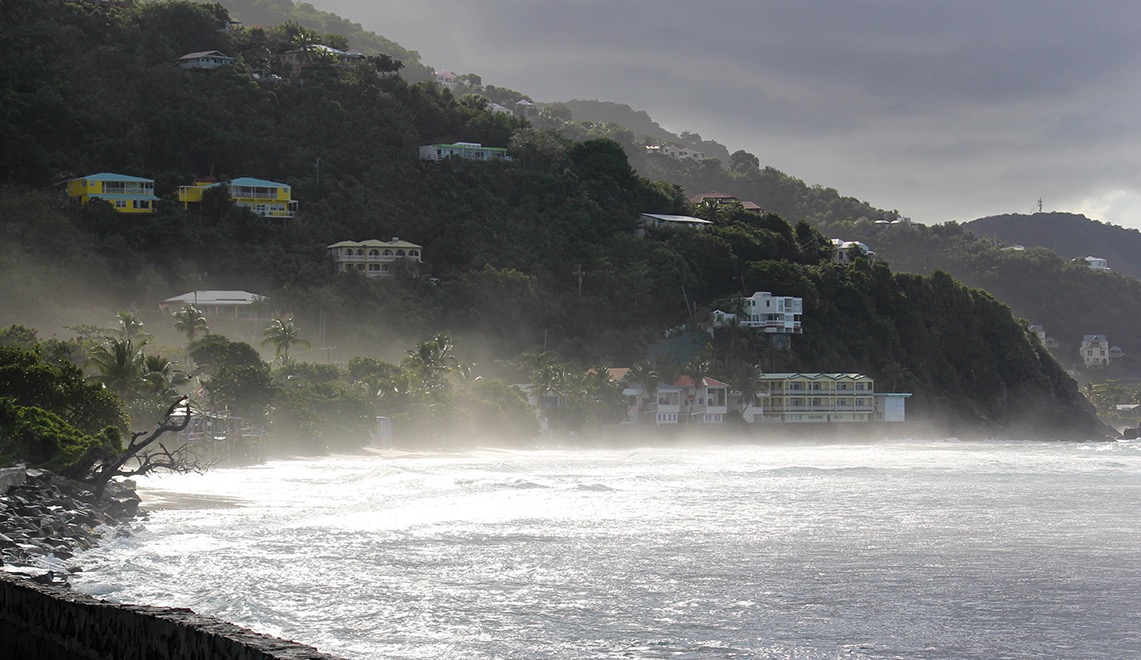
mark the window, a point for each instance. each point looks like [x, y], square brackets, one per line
[400, 253]
[413, 253]
[374, 252]
[388, 253]
[360, 252]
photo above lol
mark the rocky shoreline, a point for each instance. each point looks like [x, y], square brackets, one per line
[45, 519]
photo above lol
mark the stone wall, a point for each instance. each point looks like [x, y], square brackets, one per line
[42, 622]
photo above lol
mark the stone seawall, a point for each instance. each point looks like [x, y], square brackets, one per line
[42, 622]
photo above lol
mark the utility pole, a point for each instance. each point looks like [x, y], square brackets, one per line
[578, 271]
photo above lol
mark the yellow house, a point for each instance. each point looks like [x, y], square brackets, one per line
[268, 199]
[127, 194]
[815, 397]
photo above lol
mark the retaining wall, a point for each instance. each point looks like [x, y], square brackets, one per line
[41, 622]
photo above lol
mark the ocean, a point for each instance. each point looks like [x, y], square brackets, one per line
[912, 549]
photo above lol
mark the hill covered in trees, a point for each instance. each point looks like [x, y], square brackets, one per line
[540, 255]
[1070, 235]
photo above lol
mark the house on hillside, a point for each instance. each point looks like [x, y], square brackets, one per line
[446, 78]
[1094, 351]
[524, 109]
[206, 59]
[719, 198]
[678, 153]
[766, 312]
[844, 252]
[675, 221]
[294, 61]
[127, 194]
[375, 258]
[268, 199]
[1048, 342]
[220, 304]
[464, 150]
[495, 108]
[1097, 263]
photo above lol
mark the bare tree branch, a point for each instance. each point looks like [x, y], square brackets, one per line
[181, 459]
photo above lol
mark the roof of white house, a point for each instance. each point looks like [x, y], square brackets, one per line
[216, 298]
[260, 183]
[395, 242]
[1093, 338]
[680, 219]
[813, 376]
[841, 244]
[204, 53]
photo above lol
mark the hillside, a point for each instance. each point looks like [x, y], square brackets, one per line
[1065, 296]
[541, 254]
[1070, 235]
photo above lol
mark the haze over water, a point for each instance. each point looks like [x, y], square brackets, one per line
[917, 549]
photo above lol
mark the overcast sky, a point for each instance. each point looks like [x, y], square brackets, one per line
[942, 110]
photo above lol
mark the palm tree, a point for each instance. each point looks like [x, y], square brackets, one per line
[160, 376]
[431, 360]
[190, 322]
[131, 327]
[745, 378]
[119, 363]
[645, 375]
[283, 334]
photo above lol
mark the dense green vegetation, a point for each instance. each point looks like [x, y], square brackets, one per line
[1063, 295]
[540, 255]
[1070, 235]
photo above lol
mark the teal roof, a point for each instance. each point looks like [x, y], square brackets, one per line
[108, 176]
[262, 183]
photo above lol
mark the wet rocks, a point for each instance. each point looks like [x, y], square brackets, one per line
[45, 519]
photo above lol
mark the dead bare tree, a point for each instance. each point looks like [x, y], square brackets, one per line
[141, 456]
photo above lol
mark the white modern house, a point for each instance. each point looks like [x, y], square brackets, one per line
[220, 304]
[844, 252]
[1097, 263]
[766, 312]
[375, 258]
[465, 150]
